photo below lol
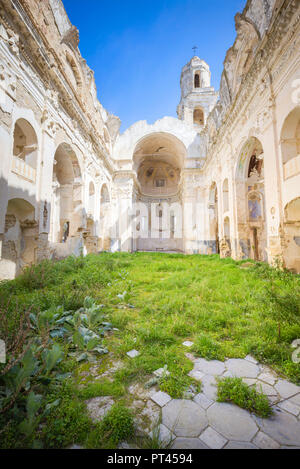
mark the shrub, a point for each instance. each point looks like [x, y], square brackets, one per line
[207, 348]
[236, 391]
[118, 424]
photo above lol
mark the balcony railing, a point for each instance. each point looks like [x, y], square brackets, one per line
[22, 169]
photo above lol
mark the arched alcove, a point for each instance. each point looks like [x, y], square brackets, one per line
[291, 230]
[20, 237]
[158, 161]
[290, 144]
[213, 218]
[25, 150]
[250, 188]
[67, 210]
[225, 196]
[198, 116]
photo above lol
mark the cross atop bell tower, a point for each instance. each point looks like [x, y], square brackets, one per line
[198, 97]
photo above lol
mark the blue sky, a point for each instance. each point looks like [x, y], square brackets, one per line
[138, 48]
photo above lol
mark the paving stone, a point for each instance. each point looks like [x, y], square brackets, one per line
[265, 388]
[240, 445]
[98, 407]
[203, 401]
[197, 375]
[286, 389]
[133, 353]
[288, 406]
[232, 422]
[188, 443]
[227, 374]
[165, 436]
[188, 343]
[161, 398]
[250, 381]
[267, 378]
[125, 445]
[251, 359]
[184, 418]
[161, 372]
[213, 439]
[295, 399]
[139, 391]
[242, 368]
[209, 387]
[213, 367]
[282, 427]
[190, 356]
[147, 418]
[263, 441]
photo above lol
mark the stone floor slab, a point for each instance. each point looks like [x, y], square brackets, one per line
[188, 343]
[133, 353]
[197, 375]
[209, 387]
[289, 407]
[213, 439]
[213, 367]
[184, 418]
[242, 368]
[188, 443]
[161, 398]
[286, 389]
[161, 372]
[98, 407]
[282, 427]
[263, 441]
[203, 401]
[232, 422]
[240, 445]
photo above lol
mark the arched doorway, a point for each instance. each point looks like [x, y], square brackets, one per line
[105, 240]
[67, 217]
[291, 229]
[290, 144]
[20, 238]
[158, 161]
[252, 233]
[213, 219]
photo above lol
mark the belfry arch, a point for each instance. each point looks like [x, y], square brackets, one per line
[158, 160]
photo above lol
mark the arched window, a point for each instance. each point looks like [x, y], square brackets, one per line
[198, 116]
[197, 80]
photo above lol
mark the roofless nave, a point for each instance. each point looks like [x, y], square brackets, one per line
[223, 177]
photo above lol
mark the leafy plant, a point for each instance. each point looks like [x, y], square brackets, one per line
[236, 391]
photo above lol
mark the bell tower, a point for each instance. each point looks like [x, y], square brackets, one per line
[198, 97]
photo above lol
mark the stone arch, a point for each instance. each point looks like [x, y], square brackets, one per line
[68, 217]
[74, 73]
[197, 79]
[214, 218]
[91, 210]
[198, 116]
[105, 209]
[291, 232]
[25, 150]
[225, 196]
[290, 144]
[158, 160]
[20, 238]
[250, 203]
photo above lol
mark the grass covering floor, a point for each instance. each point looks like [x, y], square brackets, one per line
[155, 301]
